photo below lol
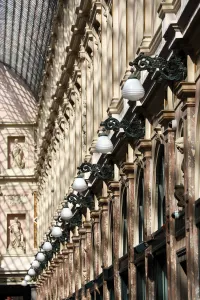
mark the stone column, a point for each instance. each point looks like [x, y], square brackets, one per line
[128, 169]
[145, 147]
[83, 273]
[66, 272]
[114, 186]
[97, 242]
[89, 258]
[103, 203]
[76, 274]
[60, 276]
[70, 249]
[169, 136]
[186, 92]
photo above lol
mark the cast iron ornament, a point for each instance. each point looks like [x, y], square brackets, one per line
[104, 172]
[133, 129]
[83, 201]
[172, 70]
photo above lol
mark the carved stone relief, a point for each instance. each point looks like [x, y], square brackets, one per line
[15, 199]
[15, 236]
[16, 153]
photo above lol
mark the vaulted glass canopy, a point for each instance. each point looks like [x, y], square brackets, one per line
[25, 27]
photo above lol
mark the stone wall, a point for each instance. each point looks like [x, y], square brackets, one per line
[17, 180]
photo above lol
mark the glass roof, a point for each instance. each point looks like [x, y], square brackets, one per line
[25, 27]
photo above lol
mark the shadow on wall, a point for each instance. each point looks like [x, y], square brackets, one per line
[17, 103]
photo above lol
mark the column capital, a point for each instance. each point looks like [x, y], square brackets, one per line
[95, 214]
[82, 232]
[145, 146]
[76, 240]
[87, 225]
[103, 203]
[70, 247]
[128, 169]
[114, 186]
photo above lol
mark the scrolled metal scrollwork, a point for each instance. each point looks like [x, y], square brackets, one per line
[72, 198]
[85, 167]
[104, 172]
[132, 129]
[172, 70]
[111, 124]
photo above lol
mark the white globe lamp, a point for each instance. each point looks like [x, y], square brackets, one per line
[35, 264]
[24, 283]
[66, 214]
[132, 89]
[104, 144]
[56, 231]
[27, 278]
[40, 256]
[47, 246]
[80, 184]
[31, 272]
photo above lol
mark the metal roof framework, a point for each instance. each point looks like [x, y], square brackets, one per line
[25, 27]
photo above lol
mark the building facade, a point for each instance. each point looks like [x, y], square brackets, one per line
[135, 230]
[155, 176]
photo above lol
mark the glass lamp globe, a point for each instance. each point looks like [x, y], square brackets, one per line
[40, 256]
[47, 246]
[104, 144]
[27, 278]
[66, 214]
[31, 272]
[132, 89]
[35, 264]
[56, 231]
[79, 184]
[24, 283]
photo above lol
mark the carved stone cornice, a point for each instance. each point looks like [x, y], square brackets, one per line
[185, 90]
[165, 116]
[116, 106]
[170, 6]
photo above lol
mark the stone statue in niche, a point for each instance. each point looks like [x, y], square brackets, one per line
[17, 155]
[179, 188]
[16, 236]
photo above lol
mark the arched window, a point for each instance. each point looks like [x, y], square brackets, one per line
[141, 206]
[160, 187]
[124, 223]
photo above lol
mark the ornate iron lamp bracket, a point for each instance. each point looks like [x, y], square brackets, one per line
[104, 172]
[172, 70]
[133, 129]
[80, 200]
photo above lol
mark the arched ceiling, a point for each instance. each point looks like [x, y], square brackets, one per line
[25, 27]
